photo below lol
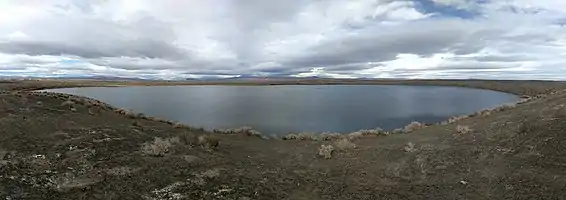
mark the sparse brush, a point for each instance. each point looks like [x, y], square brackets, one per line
[68, 103]
[409, 147]
[187, 138]
[505, 107]
[330, 136]
[524, 100]
[291, 136]
[2, 154]
[485, 112]
[307, 136]
[180, 126]
[326, 151]
[120, 171]
[454, 119]
[241, 130]
[397, 131]
[344, 144]
[90, 111]
[462, 129]
[208, 141]
[413, 126]
[159, 146]
[366, 132]
[355, 135]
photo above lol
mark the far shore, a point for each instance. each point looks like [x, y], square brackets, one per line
[517, 87]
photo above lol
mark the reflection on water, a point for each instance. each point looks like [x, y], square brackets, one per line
[283, 109]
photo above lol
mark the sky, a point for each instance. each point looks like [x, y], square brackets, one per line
[177, 39]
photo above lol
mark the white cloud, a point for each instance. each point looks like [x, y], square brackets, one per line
[333, 38]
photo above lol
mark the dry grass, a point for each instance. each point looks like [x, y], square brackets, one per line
[330, 136]
[68, 103]
[462, 129]
[367, 132]
[200, 178]
[326, 151]
[121, 171]
[413, 126]
[69, 183]
[291, 136]
[2, 154]
[410, 147]
[159, 146]
[209, 142]
[249, 131]
[180, 126]
[344, 144]
[505, 107]
[187, 138]
[307, 136]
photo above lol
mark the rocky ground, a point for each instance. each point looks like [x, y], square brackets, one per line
[56, 146]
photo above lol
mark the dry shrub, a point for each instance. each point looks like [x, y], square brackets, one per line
[486, 112]
[241, 130]
[307, 136]
[200, 178]
[68, 103]
[454, 119]
[524, 100]
[291, 136]
[355, 135]
[187, 138]
[462, 129]
[208, 141]
[413, 126]
[125, 112]
[159, 146]
[367, 132]
[180, 126]
[330, 136]
[344, 144]
[397, 131]
[326, 151]
[505, 107]
[410, 147]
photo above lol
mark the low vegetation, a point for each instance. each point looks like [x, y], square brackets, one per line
[344, 144]
[49, 152]
[326, 151]
[160, 146]
[462, 129]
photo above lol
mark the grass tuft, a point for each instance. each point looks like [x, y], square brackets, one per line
[326, 151]
[208, 141]
[462, 129]
[159, 146]
[344, 144]
[413, 126]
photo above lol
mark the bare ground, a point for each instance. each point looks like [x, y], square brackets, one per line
[55, 146]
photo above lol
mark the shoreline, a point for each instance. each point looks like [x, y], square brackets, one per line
[310, 135]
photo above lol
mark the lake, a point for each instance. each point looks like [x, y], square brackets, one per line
[298, 108]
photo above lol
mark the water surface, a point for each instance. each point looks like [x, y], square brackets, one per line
[298, 108]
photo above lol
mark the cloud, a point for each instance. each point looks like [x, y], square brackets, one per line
[332, 38]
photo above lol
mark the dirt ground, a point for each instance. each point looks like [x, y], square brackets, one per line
[56, 146]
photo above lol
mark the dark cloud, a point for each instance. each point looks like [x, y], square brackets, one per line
[132, 48]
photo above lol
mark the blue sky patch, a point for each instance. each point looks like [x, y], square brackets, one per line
[428, 6]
